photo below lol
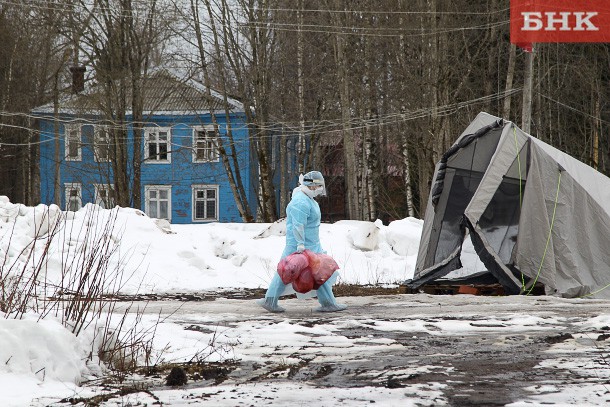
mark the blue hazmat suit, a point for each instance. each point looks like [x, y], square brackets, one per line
[302, 223]
[302, 229]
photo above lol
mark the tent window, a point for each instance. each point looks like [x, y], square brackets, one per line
[463, 187]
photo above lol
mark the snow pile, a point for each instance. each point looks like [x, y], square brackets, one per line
[44, 241]
[403, 236]
[366, 236]
[43, 349]
[277, 228]
[224, 248]
[152, 256]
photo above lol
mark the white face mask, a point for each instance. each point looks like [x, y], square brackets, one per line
[309, 192]
[318, 191]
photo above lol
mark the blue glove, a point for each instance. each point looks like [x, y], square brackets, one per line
[300, 248]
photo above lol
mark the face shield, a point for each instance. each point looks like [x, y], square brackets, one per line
[315, 182]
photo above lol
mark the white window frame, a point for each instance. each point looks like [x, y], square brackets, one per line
[147, 200]
[110, 200]
[69, 128]
[156, 130]
[211, 150]
[98, 131]
[68, 188]
[202, 187]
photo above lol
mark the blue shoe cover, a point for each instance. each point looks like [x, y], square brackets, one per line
[327, 299]
[332, 307]
[270, 304]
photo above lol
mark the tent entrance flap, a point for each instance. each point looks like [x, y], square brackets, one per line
[494, 234]
[493, 263]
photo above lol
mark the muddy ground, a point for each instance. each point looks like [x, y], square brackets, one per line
[475, 347]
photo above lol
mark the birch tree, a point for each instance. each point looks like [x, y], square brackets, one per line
[340, 45]
[228, 153]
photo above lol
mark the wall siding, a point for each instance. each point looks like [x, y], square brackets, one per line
[181, 174]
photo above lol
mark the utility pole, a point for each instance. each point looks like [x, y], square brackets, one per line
[526, 118]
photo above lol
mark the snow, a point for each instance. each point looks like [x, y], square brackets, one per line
[41, 361]
[38, 356]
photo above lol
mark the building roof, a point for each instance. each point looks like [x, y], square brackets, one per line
[164, 93]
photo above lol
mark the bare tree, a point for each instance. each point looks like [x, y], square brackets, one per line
[119, 42]
[228, 156]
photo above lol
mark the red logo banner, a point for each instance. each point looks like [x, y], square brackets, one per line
[534, 21]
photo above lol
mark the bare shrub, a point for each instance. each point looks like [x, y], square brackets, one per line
[89, 274]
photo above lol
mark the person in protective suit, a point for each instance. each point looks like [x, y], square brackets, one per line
[303, 232]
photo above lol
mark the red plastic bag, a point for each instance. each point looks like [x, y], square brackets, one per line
[306, 271]
[313, 260]
[304, 283]
[291, 266]
[325, 268]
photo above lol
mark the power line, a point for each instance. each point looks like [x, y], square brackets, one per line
[572, 108]
[351, 30]
[62, 6]
[388, 12]
[327, 126]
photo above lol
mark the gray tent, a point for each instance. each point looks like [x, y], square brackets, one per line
[533, 213]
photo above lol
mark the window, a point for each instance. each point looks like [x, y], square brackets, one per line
[205, 202]
[204, 144]
[104, 196]
[101, 143]
[158, 201]
[73, 142]
[157, 142]
[73, 197]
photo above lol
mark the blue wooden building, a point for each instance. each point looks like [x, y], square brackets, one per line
[182, 178]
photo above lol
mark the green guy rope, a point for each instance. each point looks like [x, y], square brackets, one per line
[596, 291]
[548, 239]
